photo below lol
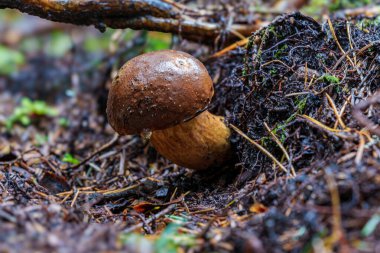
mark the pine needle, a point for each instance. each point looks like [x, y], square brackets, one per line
[261, 148]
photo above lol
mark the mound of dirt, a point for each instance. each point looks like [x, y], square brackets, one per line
[302, 89]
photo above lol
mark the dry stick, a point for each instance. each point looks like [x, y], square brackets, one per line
[75, 198]
[145, 224]
[261, 148]
[350, 40]
[316, 122]
[101, 149]
[150, 219]
[337, 115]
[282, 148]
[230, 47]
[337, 41]
[359, 153]
[342, 110]
[335, 200]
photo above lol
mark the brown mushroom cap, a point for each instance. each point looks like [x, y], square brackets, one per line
[158, 90]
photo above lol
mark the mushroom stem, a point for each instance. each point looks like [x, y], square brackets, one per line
[198, 144]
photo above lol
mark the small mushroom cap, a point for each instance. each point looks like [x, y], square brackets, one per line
[158, 90]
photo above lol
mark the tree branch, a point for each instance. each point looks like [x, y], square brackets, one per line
[154, 15]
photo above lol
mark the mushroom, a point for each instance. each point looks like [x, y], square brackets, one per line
[166, 93]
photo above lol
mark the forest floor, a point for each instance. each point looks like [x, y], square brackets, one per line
[304, 90]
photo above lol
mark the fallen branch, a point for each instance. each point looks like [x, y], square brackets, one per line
[153, 15]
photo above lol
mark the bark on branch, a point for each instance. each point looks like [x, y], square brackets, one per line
[153, 15]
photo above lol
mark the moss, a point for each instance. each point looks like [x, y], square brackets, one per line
[273, 72]
[330, 79]
[301, 104]
[280, 51]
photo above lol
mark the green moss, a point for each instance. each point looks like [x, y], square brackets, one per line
[330, 79]
[273, 72]
[301, 104]
[280, 51]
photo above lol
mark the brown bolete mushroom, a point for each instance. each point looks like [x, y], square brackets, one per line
[167, 92]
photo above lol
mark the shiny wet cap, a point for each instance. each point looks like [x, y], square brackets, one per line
[158, 90]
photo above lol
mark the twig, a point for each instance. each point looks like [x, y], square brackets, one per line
[261, 148]
[150, 219]
[316, 122]
[230, 47]
[281, 147]
[337, 41]
[342, 110]
[146, 226]
[337, 232]
[359, 153]
[337, 115]
[75, 198]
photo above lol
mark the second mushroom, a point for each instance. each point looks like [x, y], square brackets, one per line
[166, 92]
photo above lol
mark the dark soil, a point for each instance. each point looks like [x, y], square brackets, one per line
[285, 72]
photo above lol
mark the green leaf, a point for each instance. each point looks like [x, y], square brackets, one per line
[25, 120]
[59, 44]
[69, 158]
[10, 60]
[371, 225]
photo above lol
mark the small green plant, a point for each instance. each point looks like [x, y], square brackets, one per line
[10, 60]
[69, 158]
[170, 240]
[27, 110]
